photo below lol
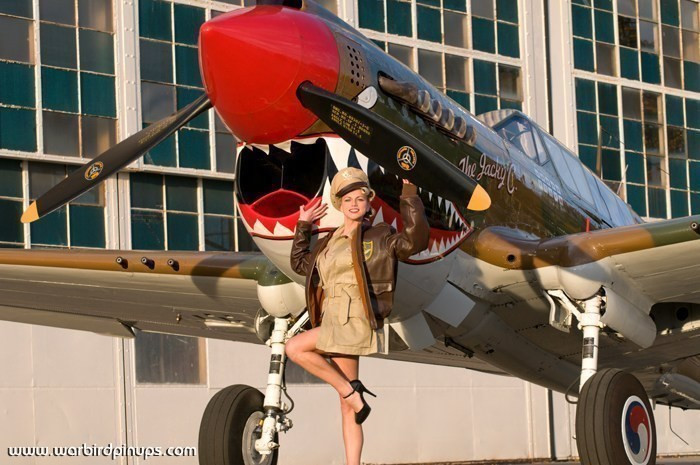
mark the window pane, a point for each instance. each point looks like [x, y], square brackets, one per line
[51, 229]
[183, 233]
[652, 107]
[631, 106]
[483, 8]
[158, 101]
[582, 23]
[691, 46]
[61, 134]
[485, 77]
[11, 229]
[648, 36]
[636, 196]
[87, 226]
[60, 89]
[98, 134]
[96, 51]
[650, 68]
[218, 197]
[95, 196]
[635, 167]
[403, 54]
[16, 40]
[17, 7]
[429, 24]
[693, 144]
[98, 95]
[669, 12]
[647, 9]
[652, 138]
[456, 72]
[607, 98]
[156, 61]
[400, 14]
[43, 176]
[672, 73]
[610, 161]
[187, 66]
[604, 30]
[655, 171]
[57, 11]
[627, 29]
[672, 46]
[162, 154]
[676, 141]
[585, 95]
[587, 128]
[194, 149]
[674, 110]
[188, 20]
[17, 84]
[633, 135]
[430, 66]
[689, 15]
[154, 19]
[629, 63]
[147, 230]
[218, 233]
[679, 204]
[185, 96]
[657, 203]
[692, 76]
[610, 131]
[18, 129]
[583, 55]
[146, 190]
[95, 14]
[692, 112]
[509, 80]
[627, 7]
[605, 55]
[507, 10]
[181, 193]
[457, 5]
[10, 178]
[694, 169]
[371, 14]
[225, 153]
[58, 46]
[483, 36]
[508, 40]
[456, 29]
[678, 173]
[461, 98]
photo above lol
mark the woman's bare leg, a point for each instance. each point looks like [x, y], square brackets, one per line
[301, 349]
[353, 438]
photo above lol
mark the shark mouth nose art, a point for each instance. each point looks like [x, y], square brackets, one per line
[273, 181]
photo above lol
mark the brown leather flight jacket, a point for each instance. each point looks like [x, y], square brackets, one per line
[375, 251]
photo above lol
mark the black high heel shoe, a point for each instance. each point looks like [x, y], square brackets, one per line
[364, 412]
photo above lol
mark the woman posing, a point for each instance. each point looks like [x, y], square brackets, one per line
[350, 278]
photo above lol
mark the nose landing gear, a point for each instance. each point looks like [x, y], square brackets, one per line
[240, 426]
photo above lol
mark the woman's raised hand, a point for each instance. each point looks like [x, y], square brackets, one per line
[315, 210]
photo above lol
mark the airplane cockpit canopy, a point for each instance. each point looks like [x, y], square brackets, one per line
[525, 135]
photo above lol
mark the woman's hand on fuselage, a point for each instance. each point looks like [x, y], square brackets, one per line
[315, 210]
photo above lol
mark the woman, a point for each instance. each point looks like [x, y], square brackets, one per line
[350, 277]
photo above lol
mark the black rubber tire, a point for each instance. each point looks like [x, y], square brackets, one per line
[223, 423]
[599, 429]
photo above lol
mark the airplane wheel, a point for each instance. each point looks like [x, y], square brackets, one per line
[614, 421]
[230, 426]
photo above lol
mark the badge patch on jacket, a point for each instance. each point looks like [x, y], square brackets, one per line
[367, 249]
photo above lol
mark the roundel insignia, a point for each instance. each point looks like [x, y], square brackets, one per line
[406, 158]
[94, 170]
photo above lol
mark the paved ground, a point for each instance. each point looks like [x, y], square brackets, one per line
[661, 461]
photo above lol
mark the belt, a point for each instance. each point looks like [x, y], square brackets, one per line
[352, 290]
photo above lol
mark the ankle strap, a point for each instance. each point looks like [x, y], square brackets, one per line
[351, 393]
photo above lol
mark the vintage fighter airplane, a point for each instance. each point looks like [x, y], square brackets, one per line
[535, 267]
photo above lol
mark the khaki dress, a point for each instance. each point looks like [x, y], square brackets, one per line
[344, 326]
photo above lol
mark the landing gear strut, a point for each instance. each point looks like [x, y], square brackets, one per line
[240, 426]
[614, 419]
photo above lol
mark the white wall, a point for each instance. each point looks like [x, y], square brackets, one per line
[65, 388]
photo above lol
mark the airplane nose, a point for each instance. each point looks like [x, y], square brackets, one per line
[253, 60]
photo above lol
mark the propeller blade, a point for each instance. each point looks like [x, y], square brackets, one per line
[393, 148]
[111, 161]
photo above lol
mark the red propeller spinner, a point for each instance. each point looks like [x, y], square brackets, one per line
[253, 59]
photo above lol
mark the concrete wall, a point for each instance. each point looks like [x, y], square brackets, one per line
[65, 388]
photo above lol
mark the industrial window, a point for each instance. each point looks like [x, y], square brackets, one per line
[80, 223]
[11, 230]
[170, 80]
